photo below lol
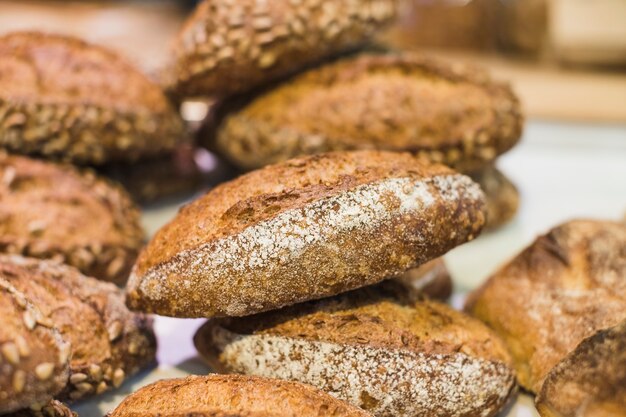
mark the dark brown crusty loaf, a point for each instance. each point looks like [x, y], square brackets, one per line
[33, 355]
[590, 381]
[397, 102]
[66, 99]
[52, 409]
[231, 47]
[432, 279]
[501, 195]
[304, 229]
[108, 342]
[232, 396]
[563, 288]
[54, 211]
[377, 348]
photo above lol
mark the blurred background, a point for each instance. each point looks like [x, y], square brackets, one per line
[565, 58]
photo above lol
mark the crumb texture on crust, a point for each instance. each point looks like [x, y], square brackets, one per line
[304, 229]
[232, 47]
[501, 195]
[375, 349]
[399, 102]
[591, 380]
[563, 288]
[33, 355]
[48, 211]
[67, 99]
[108, 342]
[232, 396]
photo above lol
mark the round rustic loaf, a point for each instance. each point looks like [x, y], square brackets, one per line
[232, 396]
[232, 47]
[52, 409]
[501, 195]
[304, 229]
[590, 381]
[66, 99]
[432, 279]
[376, 348]
[108, 342]
[398, 102]
[560, 290]
[33, 355]
[54, 211]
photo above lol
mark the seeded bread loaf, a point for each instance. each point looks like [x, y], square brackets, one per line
[66, 99]
[590, 381]
[108, 342]
[501, 195]
[432, 279]
[54, 211]
[33, 354]
[375, 348]
[232, 47]
[304, 229]
[560, 290]
[52, 409]
[398, 102]
[232, 396]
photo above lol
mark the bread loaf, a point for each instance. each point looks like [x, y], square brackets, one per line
[400, 102]
[63, 98]
[560, 290]
[590, 381]
[109, 343]
[376, 348]
[231, 47]
[232, 396]
[304, 229]
[54, 211]
[33, 355]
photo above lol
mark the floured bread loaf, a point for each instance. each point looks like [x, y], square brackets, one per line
[304, 229]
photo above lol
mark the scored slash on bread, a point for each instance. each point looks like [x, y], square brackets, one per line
[560, 290]
[377, 348]
[232, 396]
[304, 229]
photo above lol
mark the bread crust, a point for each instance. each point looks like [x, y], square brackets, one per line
[432, 279]
[501, 195]
[227, 48]
[48, 210]
[375, 348]
[590, 381]
[451, 114]
[66, 99]
[109, 343]
[304, 229]
[561, 289]
[33, 354]
[232, 396]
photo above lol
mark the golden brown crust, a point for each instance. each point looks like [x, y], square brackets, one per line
[48, 211]
[108, 342]
[66, 99]
[232, 47]
[501, 195]
[398, 102]
[431, 279]
[52, 409]
[304, 229]
[412, 357]
[590, 381]
[232, 396]
[33, 355]
[563, 288]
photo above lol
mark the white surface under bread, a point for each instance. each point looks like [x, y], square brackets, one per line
[563, 171]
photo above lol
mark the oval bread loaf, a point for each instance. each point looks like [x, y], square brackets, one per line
[108, 342]
[55, 211]
[376, 348]
[398, 102]
[63, 98]
[232, 396]
[33, 354]
[560, 290]
[590, 381]
[231, 47]
[304, 229]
